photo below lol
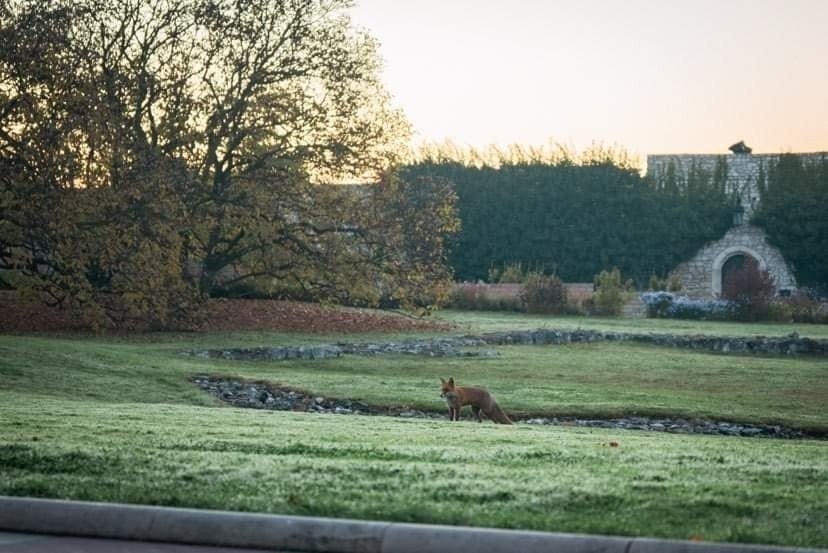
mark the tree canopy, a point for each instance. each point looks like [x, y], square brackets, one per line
[154, 150]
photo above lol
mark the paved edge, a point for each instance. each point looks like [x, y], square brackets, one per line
[293, 533]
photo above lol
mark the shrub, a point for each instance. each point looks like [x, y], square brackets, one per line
[610, 293]
[513, 273]
[779, 311]
[670, 283]
[543, 294]
[751, 289]
[657, 303]
[576, 306]
[464, 297]
[474, 297]
[799, 308]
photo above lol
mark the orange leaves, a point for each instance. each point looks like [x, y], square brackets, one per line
[230, 314]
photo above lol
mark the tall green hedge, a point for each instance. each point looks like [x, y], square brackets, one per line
[575, 221]
[794, 213]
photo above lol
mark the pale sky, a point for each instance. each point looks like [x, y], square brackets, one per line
[653, 76]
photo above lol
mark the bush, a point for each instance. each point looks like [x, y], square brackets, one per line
[474, 297]
[657, 303]
[703, 310]
[799, 308]
[543, 294]
[750, 289]
[575, 306]
[610, 293]
[512, 273]
[670, 283]
[780, 311]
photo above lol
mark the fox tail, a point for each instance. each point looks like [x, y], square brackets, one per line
[499, 416]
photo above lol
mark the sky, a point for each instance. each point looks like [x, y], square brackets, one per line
[651, 76]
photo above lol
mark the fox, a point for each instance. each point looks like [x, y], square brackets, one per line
[479, 398]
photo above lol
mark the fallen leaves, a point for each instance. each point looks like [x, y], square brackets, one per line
[231, 315]
[309, 317]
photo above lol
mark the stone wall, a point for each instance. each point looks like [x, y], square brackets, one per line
[452, 346]
[702, 275]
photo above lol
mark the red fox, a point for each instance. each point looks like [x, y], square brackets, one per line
[479, 399]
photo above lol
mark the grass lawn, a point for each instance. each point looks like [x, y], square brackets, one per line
[489, 321]
[116, 419]
[598, 379]
[544, 478]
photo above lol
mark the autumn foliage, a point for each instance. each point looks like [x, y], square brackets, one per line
[154, 151]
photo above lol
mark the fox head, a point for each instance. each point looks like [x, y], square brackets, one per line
[447, 386]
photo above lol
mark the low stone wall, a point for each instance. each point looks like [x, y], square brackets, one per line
[457, 346]
[791, 344]
[436, 347]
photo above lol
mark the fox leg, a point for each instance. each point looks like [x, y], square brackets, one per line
[476, 411]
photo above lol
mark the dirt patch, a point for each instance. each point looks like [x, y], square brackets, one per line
[17, 316]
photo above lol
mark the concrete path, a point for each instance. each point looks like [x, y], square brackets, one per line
[74, 527]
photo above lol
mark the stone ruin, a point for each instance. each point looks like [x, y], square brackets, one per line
[703, 274]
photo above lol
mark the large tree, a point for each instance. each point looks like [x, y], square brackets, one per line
[152, 150]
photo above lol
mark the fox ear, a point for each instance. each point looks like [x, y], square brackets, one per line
[441, 380]
[451, 381]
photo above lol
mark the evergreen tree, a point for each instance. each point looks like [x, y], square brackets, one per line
[577, 220]
[793, 208]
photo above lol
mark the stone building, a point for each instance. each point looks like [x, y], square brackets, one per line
[702, 275]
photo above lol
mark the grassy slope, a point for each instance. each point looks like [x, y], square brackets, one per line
[116, 420]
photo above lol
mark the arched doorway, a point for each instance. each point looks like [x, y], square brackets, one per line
[730, 260]
[735, 264]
